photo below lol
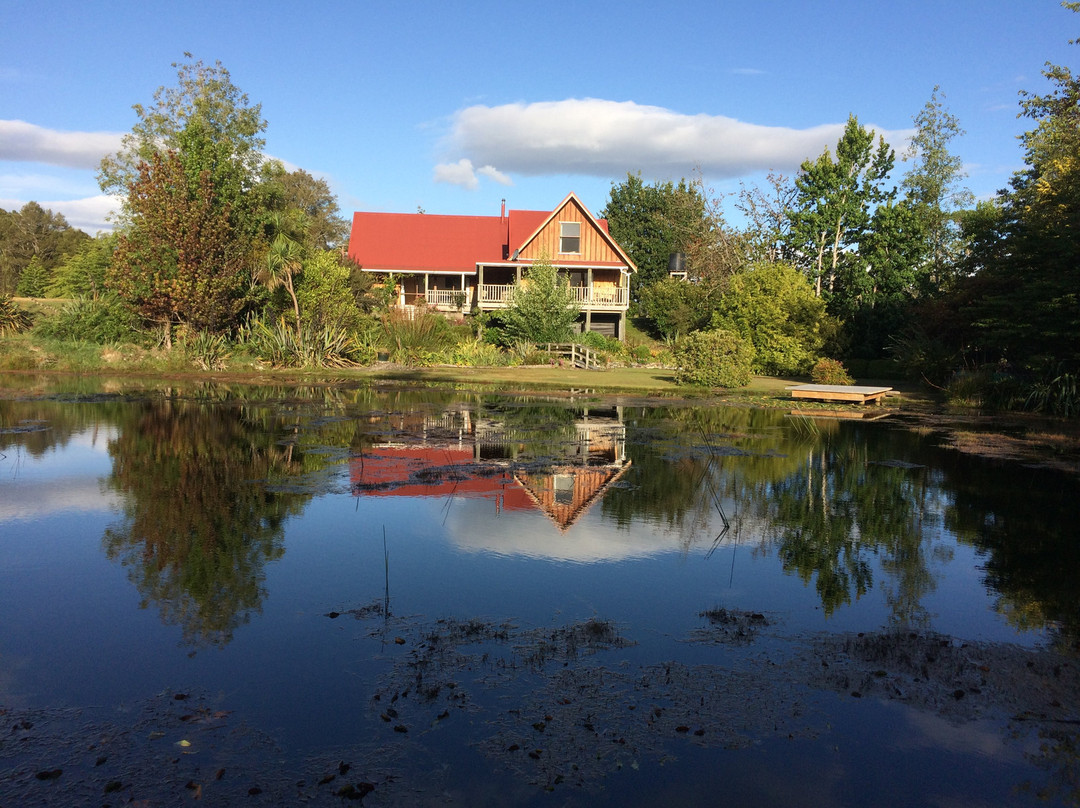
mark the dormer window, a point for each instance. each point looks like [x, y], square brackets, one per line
[569, 237]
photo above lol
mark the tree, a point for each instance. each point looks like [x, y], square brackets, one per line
[1026, 256]
[209, 122]
[33, 280]
[285, 255]
[83, 274]
[675, 307]
[768, 218]
[773, 306]
[651, 222]
[179, 261]
[932, 188]
[33, 232]
[835, 200]
[542, 308]
[299, 190]
[325, 292]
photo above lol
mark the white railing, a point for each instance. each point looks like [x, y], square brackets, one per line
[446, 298]
[595, 298]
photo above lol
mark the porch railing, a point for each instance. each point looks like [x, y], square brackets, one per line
[596, 297]
[446, 298]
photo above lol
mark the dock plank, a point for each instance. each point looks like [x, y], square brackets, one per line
[839, 392]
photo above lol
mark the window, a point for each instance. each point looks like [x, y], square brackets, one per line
[569, 237]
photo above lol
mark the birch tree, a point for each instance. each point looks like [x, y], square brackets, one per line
[834, 201]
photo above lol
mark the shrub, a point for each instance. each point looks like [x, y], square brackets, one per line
[773, 305]
[476, 354]
[714, 359]
[104, 321]
[280, 344]
[830, 371]
[414, 340]
[12, 319]
[206, 351]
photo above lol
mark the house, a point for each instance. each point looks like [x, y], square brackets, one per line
[472, 263]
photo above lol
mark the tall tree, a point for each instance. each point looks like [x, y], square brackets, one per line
[835, 198]
[285, 255]
[767, 216]
[1028, 250]
[651, 222]
[933, 187]
[214, 128]
[179, 261]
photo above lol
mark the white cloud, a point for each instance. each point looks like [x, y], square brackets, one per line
[600, 138]
[89, 214]
[464, 174]
[459, 173]
[493, 173]
[27, 143]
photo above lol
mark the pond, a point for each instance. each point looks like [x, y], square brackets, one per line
[350, 593]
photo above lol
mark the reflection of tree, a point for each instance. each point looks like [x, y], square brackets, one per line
[1021, 522]
[199, 525]
[839, 510]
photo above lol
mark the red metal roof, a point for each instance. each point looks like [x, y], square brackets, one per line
[425, 242]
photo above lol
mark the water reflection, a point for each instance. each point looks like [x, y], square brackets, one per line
[198, 530]
[207, 477]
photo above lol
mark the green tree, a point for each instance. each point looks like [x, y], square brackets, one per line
[299, 190]
[83, 274]
[1024, 260]
[33, 232]
[675, 307]
[179, 261]
[933, 188]
[33, 280]
[835, 198]
[542, 308]
[325, 292]
[210, 123]
[285, 255]
[774, 307]
[651, 222]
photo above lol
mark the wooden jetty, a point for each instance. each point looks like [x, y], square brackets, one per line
[839, 392]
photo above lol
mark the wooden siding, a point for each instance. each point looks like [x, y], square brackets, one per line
[594, 246]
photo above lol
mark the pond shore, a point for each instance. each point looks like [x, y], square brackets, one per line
[1028, 439]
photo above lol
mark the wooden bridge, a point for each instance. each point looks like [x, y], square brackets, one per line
[579, 355]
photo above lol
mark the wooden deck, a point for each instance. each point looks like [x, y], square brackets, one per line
[840, 392]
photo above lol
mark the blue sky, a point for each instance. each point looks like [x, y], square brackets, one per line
[452, 106]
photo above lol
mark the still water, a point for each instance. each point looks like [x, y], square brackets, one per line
[323, 595]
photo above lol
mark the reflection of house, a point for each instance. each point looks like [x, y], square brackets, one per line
[454, 454]
[472, 263]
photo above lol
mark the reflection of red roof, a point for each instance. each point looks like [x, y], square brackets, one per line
[399, 472]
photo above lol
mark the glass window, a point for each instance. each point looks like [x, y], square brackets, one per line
[569, 237]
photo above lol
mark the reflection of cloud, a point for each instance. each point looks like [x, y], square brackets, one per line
[534, 535]
[929, 731]
[39, 499]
